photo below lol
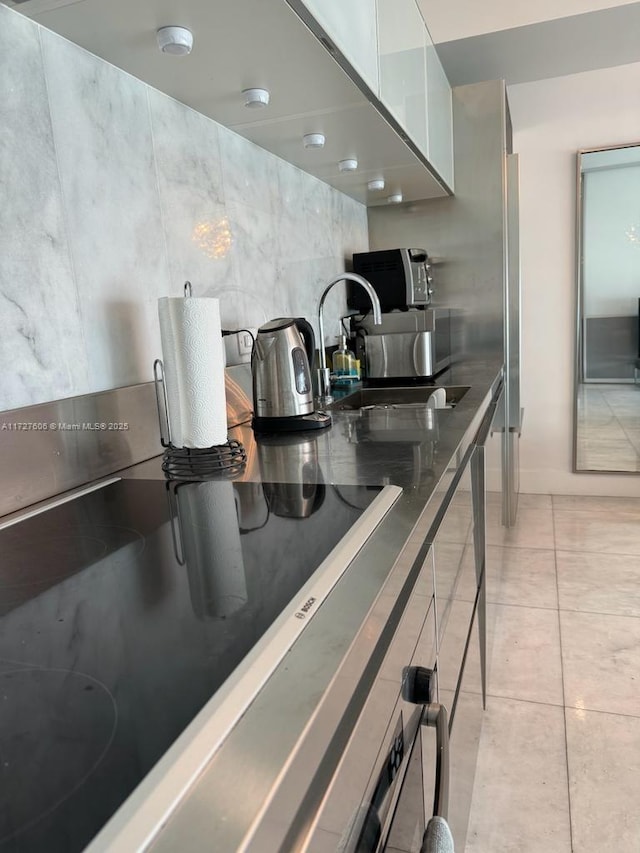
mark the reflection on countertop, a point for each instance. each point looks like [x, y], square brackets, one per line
[367, 446]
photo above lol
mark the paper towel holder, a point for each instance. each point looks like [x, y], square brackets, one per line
[193, 463]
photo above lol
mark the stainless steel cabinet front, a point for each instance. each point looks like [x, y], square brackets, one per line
[357, 810]
[456, 582]
[465, 728]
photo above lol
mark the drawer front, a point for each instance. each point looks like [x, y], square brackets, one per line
[456, 582]
[466, 726]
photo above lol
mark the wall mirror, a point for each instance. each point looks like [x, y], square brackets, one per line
[607, 392]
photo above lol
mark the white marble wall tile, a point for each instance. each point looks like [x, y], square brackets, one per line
[351, 229]
[102, 134]
[304, 283]
[196, 226]
[305, 203]
[254, 261]
[41, 345]
[121, 194]
[250, 174]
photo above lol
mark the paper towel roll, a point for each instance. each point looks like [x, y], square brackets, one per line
[193, 357]
[212, 549]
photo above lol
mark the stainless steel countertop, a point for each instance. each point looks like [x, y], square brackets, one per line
[365, 447]
[303, 716]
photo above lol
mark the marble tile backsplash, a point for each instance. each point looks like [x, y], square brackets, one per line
[114, 194]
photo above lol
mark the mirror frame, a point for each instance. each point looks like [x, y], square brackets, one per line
[579, 304]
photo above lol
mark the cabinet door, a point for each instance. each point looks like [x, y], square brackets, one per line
[439, 115]
[464, 737]
[351, 25]
[456, 582]
[402, 42]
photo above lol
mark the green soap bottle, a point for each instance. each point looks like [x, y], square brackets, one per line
[344, 363]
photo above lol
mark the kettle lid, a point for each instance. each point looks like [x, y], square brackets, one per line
[279, 323]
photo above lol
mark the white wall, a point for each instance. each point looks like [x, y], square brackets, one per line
[466, 18]
[112, 194]
[552, 119]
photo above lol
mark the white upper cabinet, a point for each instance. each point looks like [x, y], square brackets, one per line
[351, 26]
[439, 116]
[402, 43]
[320, 61]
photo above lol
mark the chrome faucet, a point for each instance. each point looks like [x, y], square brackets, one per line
[324, 381]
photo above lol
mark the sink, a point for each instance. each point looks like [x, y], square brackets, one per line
[413, 397]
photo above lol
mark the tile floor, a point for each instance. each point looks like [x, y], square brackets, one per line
[559, 759]
[609, 427]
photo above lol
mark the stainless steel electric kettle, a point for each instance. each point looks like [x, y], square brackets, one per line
[282, 392]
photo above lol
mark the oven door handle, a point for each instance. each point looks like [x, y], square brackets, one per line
[437, 837]
[435, 715]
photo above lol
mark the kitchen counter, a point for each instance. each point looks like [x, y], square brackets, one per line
[304, 714]
[361, 447]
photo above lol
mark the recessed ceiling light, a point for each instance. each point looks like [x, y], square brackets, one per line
[313, 140]
[396, 198]
[377, 184]
[255, 98]
[175, 40]
[348, 165]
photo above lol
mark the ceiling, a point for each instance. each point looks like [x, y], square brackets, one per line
[522, 41]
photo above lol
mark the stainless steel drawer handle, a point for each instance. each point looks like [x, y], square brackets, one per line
[435, 715]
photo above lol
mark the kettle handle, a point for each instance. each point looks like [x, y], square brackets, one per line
[306, 330]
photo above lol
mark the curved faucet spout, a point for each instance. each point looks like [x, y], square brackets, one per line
[324, 387]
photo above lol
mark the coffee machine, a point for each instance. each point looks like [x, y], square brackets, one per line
[413, 342]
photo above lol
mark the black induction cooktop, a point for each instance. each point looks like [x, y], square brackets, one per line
[121, 613]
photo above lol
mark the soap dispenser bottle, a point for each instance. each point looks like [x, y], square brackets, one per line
[344, 363]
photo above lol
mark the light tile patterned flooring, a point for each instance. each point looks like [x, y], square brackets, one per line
[609, 427]
[559, 759]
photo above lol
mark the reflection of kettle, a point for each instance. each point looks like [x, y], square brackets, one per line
[282, 392]
[291, 475]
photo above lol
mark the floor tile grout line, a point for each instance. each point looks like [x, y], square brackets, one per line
[595, 553]
[599, 613]
[603, 553]
[520, 548]
[626, 716]
[526, 606]
[564, 695]
[524, 547]
[504, 698]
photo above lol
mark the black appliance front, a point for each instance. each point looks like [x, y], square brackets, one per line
[401, 279]
[119, 621]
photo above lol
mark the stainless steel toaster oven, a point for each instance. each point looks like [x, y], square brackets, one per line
[407, 345]
[401, 278]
